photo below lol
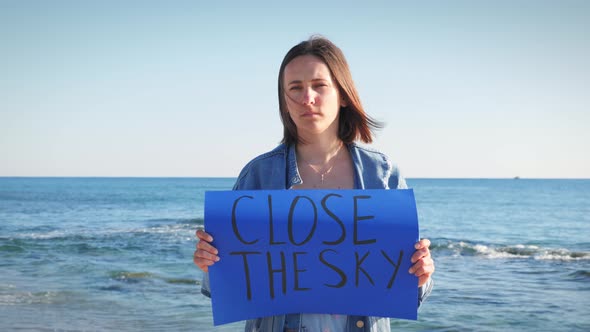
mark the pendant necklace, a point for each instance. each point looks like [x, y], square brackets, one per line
[321, 173]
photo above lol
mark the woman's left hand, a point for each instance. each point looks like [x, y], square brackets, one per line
[423, 266]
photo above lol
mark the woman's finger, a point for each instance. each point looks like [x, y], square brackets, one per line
[206, 255]
[422, 244]
[203, 262]
[421, 270]
[415, 267]
[423, 266]
[419, 254]
[201, 234]
[202, 245]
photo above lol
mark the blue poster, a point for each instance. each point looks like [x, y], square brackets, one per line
[312, 251]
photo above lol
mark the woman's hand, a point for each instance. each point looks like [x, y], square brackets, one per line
[423, 266]
[206, 254]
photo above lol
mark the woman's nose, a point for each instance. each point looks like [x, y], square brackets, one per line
[308, 97]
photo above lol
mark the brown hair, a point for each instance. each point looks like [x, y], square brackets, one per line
[354, 123]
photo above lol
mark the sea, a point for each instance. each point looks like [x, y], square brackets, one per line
[115, 254]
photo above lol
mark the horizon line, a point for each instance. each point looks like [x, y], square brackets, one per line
[235, 177]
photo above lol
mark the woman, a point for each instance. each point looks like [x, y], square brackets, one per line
[322, 119]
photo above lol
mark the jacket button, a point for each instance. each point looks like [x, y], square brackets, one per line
[360, 324]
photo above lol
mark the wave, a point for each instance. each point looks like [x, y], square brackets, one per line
[184, 229]
[467, 248]
[27, 298]
[194, 221]
[581, 275]
[135, 277]
[124, 239]
[173, 226]
[10, 248]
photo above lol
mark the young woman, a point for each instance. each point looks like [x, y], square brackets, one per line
[322, 120]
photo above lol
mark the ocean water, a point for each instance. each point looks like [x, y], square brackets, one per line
[115, 254]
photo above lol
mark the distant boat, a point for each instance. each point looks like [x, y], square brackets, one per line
[516, 177]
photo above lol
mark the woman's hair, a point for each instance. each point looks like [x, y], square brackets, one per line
[354, 123]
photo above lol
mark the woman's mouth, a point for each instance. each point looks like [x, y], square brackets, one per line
[309, 114]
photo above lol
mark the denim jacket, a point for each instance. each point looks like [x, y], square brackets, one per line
[277, 169]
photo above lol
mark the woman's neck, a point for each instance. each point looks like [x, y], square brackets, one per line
[319, 151]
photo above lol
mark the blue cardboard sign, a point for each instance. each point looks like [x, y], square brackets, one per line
[312, 251]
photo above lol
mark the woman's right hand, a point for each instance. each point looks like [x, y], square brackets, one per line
[205, 255]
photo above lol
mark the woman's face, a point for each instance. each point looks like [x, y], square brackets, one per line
[312, 97]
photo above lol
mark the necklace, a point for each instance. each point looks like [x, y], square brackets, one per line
[322, 173]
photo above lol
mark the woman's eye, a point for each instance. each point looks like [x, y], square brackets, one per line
[294, 88]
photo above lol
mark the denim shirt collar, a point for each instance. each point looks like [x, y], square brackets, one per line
[293, 176]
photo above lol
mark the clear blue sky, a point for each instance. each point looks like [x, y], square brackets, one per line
[169, 88]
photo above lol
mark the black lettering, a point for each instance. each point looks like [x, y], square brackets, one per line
[234, 223]
[359, 268]
[271, 228]
[290, 221]
[358, 218]
[335, 268]
[399, 262]
[335, 217]
[246, 269]
[271, 272]
[296, 271]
